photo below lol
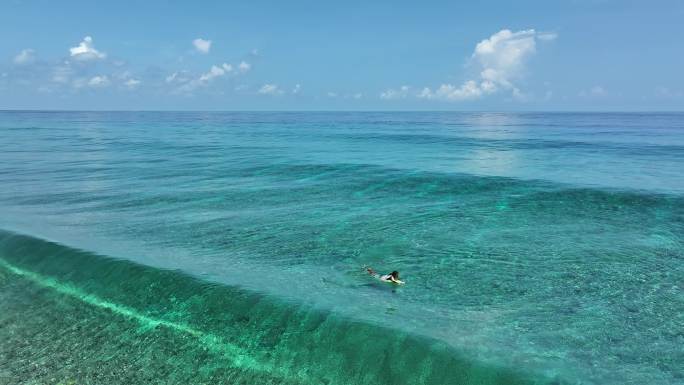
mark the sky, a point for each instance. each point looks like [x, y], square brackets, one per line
[524, 55]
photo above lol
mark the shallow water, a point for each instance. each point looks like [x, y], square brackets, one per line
[80, 318]
[548, 243]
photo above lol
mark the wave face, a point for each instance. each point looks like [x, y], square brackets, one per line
[71, 316]
[552, 243]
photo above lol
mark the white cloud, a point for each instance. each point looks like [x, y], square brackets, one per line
[390, 94]
[132, 83]
[201, 45]
[296, 89]
[177, 77]
[127, 79]
[26, 56]
[331, 94]
[188, 84]
[86, 51]
[244, 66]
[501, 60]
[216, 72]
[270, 89]
[99, 81]
[357, 95]
[468, 90]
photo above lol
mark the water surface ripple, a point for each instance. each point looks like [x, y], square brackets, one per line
[551, 243]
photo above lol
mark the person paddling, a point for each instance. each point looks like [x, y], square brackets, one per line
[391, 277]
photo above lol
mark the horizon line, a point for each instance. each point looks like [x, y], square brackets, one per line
[345, 110]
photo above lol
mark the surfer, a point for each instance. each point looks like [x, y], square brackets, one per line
[391, 277]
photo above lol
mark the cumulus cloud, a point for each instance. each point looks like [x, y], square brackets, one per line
[178, 77]
[127, 80]
[244, 66]
[390, 94]
[468, 90]
[87, 67]
[86, 51]
[270, 89]
[201, 45]
[26, 56]
[296, 89]
[188, 84]
[99, 81]
[501, 60]
[215, 72]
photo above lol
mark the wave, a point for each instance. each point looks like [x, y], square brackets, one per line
[507, 144]
[160, 314]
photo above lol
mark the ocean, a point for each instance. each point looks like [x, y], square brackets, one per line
[230, 247]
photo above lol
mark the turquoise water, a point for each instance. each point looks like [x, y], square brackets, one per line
[536, 247]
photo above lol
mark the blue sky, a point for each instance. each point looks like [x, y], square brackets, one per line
[325, 55]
